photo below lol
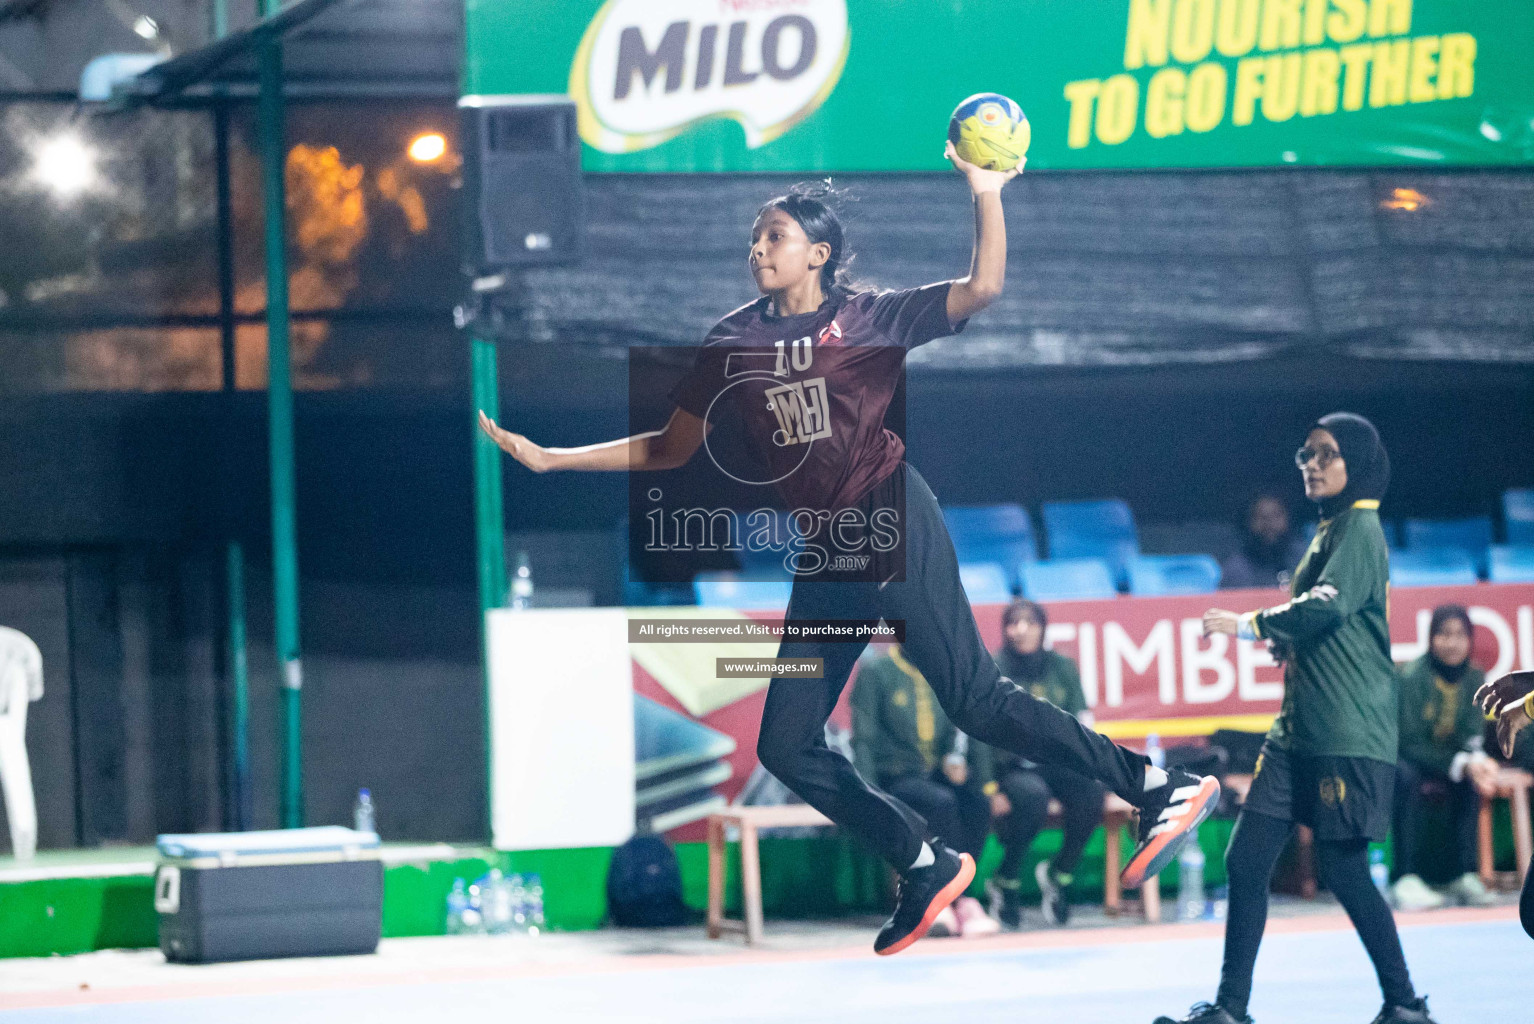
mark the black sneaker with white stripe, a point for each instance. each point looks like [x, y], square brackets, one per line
[1168, 817]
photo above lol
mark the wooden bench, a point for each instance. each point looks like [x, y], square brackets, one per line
[1513, 786]
[751, 820]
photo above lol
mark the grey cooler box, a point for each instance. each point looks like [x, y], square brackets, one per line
[255, 895]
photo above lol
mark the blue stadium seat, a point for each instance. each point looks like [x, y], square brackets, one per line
[1512, 563]
[993, 533]
[1068, 579]
[1173, 574]
[1431, 567]
[727, 590]
[980, 521]
[1518, 512]
[1102, 529]
[1473, 536]
[985, 583]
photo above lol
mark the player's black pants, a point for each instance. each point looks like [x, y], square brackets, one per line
[1343, 867]
[941, 640]
[1464, 804]
[1028, 791]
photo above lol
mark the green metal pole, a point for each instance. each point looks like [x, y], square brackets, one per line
[280, 415]
[489, 524]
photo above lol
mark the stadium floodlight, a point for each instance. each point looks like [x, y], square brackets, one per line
[65, 164]
[428, 148]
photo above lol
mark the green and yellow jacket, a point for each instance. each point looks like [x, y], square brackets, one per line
[1438, 718]
[898, 727]
[1340, 688]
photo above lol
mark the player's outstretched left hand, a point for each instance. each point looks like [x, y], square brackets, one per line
[515, 445]
[980, 180]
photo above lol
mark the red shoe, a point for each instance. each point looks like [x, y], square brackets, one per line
[1167, 818]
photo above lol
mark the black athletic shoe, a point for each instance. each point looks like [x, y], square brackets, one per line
[1206, 1013]
[922, 895]
[1168, 817]
[1416, 1013]
[1052, 888]
[1006, 899]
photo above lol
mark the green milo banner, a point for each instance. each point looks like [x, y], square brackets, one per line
[855, 85]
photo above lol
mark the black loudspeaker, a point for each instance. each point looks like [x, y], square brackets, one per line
[522, 181]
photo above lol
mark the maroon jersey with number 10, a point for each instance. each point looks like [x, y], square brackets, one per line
[812, 389]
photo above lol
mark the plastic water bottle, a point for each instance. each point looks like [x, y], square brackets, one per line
[1190, 886]
[362, 813]
[516, 896]
[474, 914]
[1379, 871]
[497, 903]
[1154, 752]
[457, 907]
[534, 905]
[1219, 902]
[522, 583]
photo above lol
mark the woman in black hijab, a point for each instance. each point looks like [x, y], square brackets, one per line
[1442, 735]
[1020, 790]
[1329, 760]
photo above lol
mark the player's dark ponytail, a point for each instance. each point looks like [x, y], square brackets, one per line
[812, 204]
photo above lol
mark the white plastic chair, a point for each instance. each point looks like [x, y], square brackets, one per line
[21, 682]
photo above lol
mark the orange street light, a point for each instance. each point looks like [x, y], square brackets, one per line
[428, 148]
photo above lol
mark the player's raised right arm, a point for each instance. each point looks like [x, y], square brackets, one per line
[667, 448]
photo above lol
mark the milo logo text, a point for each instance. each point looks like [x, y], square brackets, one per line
[647, 71]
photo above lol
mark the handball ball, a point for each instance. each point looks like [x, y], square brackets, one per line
[990, 131]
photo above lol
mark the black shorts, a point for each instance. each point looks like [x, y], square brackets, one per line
[1339, 797]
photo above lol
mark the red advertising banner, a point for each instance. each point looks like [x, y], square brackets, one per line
[1146, 666]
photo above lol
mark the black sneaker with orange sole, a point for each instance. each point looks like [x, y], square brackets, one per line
[922, 895]
[1167, 818]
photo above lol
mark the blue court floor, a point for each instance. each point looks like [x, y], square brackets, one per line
[1477, 967]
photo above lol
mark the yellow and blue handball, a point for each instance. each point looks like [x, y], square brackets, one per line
[990, 131]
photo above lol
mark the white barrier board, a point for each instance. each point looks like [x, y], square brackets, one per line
[561, 728]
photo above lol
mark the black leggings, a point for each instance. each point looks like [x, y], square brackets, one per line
[1343, 867]
[1029, 790]
[942, 641]
[1464, 804]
